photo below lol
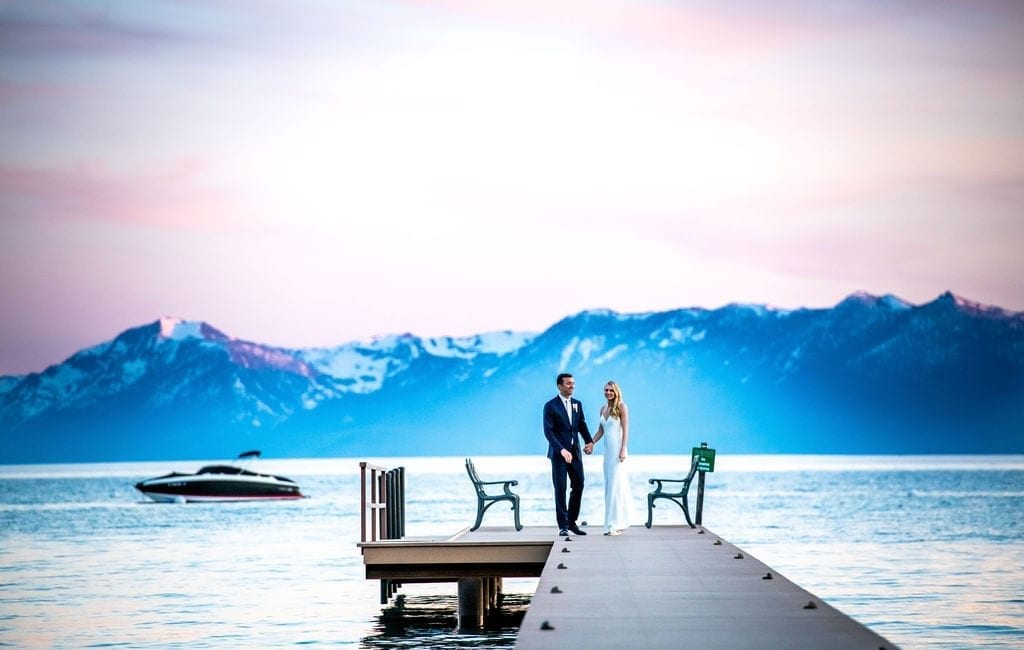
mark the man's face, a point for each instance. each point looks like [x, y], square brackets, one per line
[567, 386]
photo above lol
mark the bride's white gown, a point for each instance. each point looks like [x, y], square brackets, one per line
[618, 500]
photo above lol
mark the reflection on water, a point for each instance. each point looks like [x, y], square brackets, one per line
[432, 621]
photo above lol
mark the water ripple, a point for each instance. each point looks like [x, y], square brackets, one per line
[927, 552]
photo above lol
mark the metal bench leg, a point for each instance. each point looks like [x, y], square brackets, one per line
[480, 509]
[681, 502]
[515, 509]
[686, 513]
[650, 510]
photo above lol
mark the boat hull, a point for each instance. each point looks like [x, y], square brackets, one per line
[205, 488]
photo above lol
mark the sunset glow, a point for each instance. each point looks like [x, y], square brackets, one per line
[310, 174]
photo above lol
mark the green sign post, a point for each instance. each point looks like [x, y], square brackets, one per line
[705, 463]
[705, 456]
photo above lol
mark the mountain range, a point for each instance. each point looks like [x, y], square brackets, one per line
[873, 374]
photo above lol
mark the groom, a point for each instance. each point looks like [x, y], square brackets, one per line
[563, 421]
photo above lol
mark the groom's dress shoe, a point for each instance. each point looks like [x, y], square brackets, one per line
[563, 532]
[576, 529]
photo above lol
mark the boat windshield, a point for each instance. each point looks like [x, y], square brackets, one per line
[225, 469]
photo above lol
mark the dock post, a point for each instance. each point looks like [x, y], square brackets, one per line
[471, 603]
[496, 595]
[400, 502]
[700, 499]
[700, 492]
[487, 586]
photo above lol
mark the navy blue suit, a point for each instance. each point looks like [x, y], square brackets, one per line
[563, 433]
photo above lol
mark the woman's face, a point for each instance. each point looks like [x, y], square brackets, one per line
[609, 392]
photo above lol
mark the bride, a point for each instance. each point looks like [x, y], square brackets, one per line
[614, 428]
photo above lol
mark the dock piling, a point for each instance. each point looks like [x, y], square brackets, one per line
[471, 603]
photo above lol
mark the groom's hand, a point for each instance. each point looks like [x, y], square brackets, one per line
[566, 455]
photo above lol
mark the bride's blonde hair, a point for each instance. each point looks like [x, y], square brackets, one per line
[614, 409]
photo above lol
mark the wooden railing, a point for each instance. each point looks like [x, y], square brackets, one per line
[382, 510]
[394, 509]
[372, 511]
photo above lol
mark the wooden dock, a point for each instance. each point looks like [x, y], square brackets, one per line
[496, 551]
[663, 587]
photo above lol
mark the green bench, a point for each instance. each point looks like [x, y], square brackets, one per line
[679, 497]
[485, 501]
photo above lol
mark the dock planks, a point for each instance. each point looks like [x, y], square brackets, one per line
[497, 552]
[671, 587]
[664, 587]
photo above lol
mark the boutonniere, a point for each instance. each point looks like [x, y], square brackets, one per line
[575, 407]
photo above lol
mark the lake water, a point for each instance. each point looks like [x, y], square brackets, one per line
[928, 551]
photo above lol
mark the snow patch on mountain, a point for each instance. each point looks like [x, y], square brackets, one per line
[448, 347]
[583, 347]
[504, 342]
[316, 394]
[260, 357]
[677, 336]
[597, 313]
[313, 398]
[257, 411]
[757, 310]
[169, 394]
[132, 370]
[94, 351]
[973, 307]
[363, 366]
[611, 354]
[468, 347]
[355, 369]
[610, 314]
[64, 379]
[888, 301]
[895, 303]
[588, 346]
[262, 407]
[178, 330]
[793, 360]
[390, 344]
[568, 351]
[59, 384]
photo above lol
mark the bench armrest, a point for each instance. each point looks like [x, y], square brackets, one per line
[499, 482]
[669, 480]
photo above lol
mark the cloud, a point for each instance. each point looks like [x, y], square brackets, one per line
[418, 152]
[171, 197]
[52, 29]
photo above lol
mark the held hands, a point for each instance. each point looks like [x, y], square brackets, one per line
[587, 449]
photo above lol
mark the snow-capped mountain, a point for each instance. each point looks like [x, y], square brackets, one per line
[362, 367]
[874, 374]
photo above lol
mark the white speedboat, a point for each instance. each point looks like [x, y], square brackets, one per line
[220, 483]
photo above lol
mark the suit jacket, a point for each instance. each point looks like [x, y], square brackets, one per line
[559, 430]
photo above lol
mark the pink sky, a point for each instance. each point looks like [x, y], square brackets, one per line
[307, 174]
